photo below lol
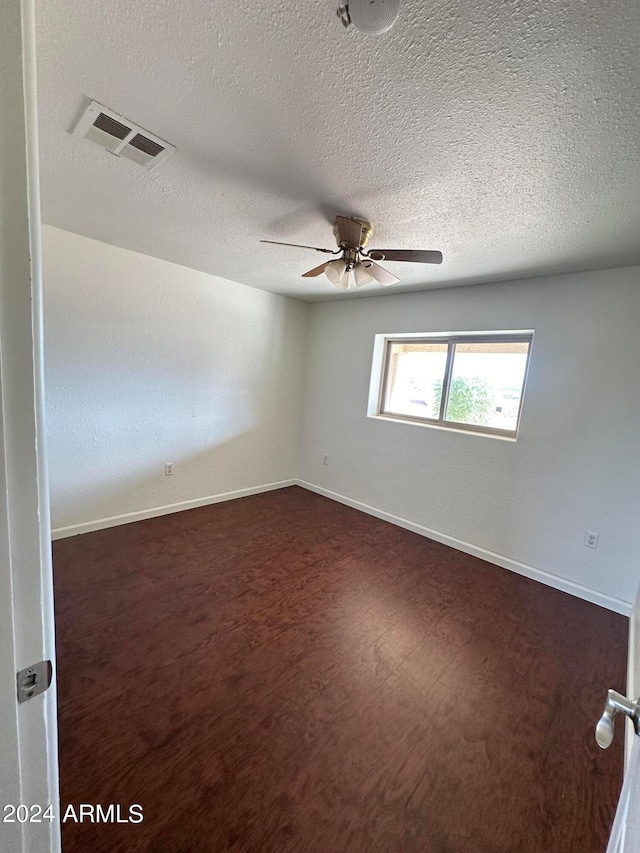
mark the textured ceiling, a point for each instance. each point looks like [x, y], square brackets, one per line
[503, 132]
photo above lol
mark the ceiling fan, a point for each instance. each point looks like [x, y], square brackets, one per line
[356, 265]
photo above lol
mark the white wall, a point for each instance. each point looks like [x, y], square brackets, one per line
[148, 362]
[575, 465]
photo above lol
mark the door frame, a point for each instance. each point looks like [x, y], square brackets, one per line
[633, 671]
[28, 731]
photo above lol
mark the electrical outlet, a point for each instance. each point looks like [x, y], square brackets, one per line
[168, 469]
[591, 539]
[325, 459]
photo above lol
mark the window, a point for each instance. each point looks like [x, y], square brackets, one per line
[466, 381]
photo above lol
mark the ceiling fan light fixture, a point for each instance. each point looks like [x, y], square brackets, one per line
[361, 274]
[335, 272]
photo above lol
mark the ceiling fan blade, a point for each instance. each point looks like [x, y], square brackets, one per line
[414, 256]
[315, 271]
[380, 274]
[349, 231]
[298, 246]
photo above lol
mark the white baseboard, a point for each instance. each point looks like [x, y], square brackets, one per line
[152, 512]
[573, 588]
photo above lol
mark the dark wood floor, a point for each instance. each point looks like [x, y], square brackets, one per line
[282, 673]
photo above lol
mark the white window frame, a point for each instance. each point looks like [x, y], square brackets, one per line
[382, 363]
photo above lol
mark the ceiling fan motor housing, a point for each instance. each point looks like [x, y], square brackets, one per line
[352, 232]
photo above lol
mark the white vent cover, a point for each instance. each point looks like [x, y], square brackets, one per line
[121, 136]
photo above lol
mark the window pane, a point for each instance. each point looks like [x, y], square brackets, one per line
[414, 379]
[486, 384]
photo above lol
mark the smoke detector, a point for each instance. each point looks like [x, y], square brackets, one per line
[372, 17]
[121, 137]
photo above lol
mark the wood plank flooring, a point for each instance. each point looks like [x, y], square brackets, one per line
[283, 673]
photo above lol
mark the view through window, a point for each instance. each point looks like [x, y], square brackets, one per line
[467, 381]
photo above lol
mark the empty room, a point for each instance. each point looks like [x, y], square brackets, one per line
[319, 370]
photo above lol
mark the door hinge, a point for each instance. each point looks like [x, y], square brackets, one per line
[33, 680]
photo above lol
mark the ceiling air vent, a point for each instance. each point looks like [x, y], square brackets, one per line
[121, 136]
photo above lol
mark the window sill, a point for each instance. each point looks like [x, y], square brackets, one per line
[479, 433]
